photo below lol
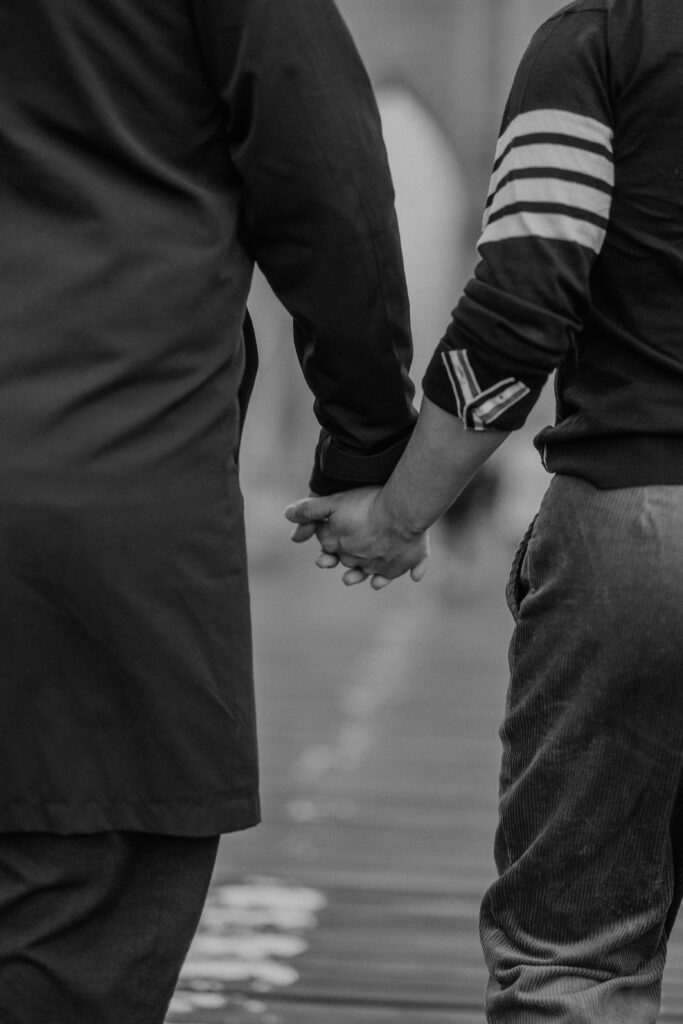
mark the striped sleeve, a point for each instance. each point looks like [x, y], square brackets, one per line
[545, 222]
[553, 177]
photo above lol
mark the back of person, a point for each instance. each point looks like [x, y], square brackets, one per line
[582, 271]
[123, 284]
[150, 153]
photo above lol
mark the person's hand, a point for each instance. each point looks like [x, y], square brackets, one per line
[354, 528]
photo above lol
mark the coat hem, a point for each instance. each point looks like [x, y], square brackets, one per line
[179, 818]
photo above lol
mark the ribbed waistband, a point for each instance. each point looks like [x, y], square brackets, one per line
[637, 460]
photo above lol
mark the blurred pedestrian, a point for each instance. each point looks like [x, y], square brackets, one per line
[149, 154]
[462, 535]
[581, 269]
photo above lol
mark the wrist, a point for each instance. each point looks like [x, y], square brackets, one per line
[392, 520]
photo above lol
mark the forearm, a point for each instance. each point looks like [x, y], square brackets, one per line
[439, 461]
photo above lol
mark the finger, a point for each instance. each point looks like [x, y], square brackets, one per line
[302, 533]
[309, 510]
[418, 571]
[353, 577]
[325, 560]
[380, 582]
[351, 561]
[328, 541]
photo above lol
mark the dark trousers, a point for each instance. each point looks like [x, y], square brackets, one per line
[94, 928]
[590, 842]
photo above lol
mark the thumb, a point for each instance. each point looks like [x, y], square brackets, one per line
[309, 510]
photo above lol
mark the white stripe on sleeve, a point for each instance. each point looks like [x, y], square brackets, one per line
[487, 412]
[548, 157]
[556, 122]
[558, 158]
[552, 190]
[561, 227]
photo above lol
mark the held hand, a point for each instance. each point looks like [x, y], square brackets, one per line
[354, 529]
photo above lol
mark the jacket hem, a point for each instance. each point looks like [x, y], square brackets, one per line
[610, 463]
[181, 818]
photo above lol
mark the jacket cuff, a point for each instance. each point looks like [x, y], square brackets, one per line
[335, 470]
[461, 385]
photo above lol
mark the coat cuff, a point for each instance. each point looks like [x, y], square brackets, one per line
[335, 470]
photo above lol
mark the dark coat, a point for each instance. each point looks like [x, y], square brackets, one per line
[150, 152]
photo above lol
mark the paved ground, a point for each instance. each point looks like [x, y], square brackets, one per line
[356, 901]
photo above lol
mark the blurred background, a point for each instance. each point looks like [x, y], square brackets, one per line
[356, 901]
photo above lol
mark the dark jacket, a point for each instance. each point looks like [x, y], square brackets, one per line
[150, 152]
[581, 264]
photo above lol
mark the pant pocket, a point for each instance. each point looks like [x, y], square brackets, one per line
[516, 589]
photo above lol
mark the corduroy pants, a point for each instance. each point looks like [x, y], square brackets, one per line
[589, 847]
[94, 928]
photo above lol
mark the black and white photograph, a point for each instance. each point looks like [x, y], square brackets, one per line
[341, 512]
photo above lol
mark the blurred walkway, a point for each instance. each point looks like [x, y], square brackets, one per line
[356, 901]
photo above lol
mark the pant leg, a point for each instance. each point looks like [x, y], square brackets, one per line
[575, 929]
[677, 851]
[94, 928]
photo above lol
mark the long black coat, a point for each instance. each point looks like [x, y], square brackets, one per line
[150, 152]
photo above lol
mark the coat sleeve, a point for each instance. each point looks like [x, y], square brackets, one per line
[544, 225]
[318, 215]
